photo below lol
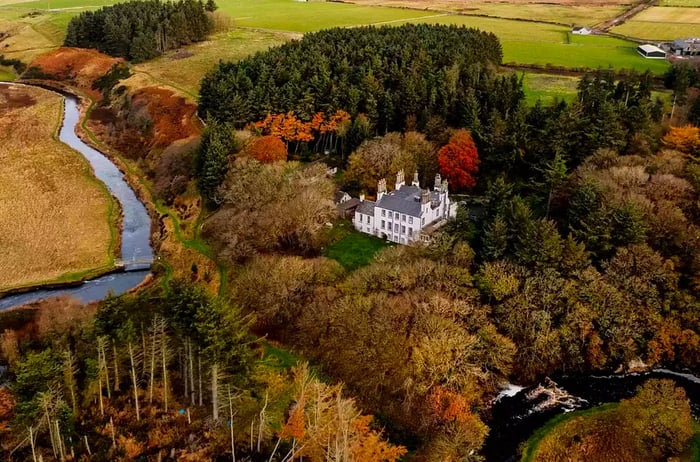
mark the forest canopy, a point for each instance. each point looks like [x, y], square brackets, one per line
[140, 30]
[390, 74]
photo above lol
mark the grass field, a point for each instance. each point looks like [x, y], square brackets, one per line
[683, 3]
[233, 45]
[542, 44]
[7, 74]
[587, 15]
[351, 248]
[547, 87]
[662, 23]
[55, 216]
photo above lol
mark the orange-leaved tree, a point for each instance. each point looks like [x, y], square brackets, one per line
[685, 139]
[267, 149]
[459, 160]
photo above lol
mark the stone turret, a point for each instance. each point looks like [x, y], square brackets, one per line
[438, 182]
[399, 180]
[415, 179]
[381, 188]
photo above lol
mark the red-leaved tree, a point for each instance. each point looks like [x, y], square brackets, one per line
[267, 149]
[459, 160]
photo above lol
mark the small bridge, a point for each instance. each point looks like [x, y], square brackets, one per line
[135, 264]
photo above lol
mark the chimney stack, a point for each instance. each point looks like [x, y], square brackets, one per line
[438, 182]
[415, 179]
[381, 188]
[399, 180]
[425, 197]
[362, 197]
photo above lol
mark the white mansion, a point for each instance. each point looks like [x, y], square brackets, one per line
[407, 213]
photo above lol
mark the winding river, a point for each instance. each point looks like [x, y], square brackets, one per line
[136, 226]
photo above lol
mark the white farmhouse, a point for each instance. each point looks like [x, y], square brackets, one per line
[406, 214]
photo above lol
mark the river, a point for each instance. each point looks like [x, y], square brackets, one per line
[135, 233]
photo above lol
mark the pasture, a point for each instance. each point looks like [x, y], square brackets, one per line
[561, 12]
[547, 44]
[682, 3]
[662, 23]
[56, 219]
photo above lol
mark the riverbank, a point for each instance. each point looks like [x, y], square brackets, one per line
[62, 223]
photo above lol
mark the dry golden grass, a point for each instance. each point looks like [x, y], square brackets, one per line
[53, 212]
[589, 12]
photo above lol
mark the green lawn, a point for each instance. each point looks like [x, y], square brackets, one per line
[352, 249]
[530, 446]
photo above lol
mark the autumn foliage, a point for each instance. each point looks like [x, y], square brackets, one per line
[325, 425]
[324, 128]
[267, 149]
[685, 139]
[459, 160]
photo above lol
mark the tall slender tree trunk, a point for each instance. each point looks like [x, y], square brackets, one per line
[164, 356]
[70, 379]
[116, 366]
[191, 369]
[133, 380]
[31, 441]
[199, 372]
[185, 373]
[153, 368]
[230, 416]
[215, 391]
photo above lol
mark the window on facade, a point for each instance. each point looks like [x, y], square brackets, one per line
[396, 228]
[403, 217]
[383, 222]
[410, 220]
[410, 231]
[422, 221]
[367, 218]
[396, 215]
[403, 229]
[383, 213]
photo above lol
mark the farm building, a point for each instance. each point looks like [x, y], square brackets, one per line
[651, 51]
[686, 47]
[580, 30]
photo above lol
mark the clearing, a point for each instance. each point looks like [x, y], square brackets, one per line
[351, 248]
[662, 23]
[56, 219]
[198, 59]
[548, 87]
